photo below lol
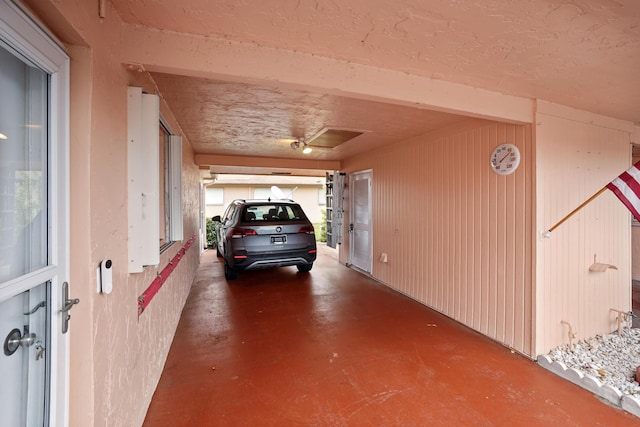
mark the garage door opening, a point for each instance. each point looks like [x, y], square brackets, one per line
[309, 191]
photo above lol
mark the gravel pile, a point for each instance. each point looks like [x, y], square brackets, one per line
[611, 359]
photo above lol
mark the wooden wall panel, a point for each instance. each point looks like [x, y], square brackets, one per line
[458, 237]
[574, 160]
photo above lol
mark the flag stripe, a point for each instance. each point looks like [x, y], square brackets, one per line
[627, 188]
[634, 179]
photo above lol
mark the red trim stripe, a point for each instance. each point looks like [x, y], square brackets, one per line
[163, 276]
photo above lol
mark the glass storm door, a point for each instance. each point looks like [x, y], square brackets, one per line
[33, 224]
[24, 362]
[360, 227]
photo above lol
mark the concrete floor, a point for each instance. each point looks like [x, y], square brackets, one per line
[334, 348]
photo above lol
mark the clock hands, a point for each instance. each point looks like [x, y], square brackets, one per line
[505, 156]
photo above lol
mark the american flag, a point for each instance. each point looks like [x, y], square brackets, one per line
[627, 188]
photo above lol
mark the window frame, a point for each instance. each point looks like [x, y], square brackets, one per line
[288, 192]
[170, 187]
[216, 202]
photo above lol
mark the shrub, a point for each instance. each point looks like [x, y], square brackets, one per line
[321, 228]
[211, 233]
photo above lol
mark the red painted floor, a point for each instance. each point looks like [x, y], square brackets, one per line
[334, 348]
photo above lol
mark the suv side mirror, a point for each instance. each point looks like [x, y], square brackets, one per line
[216, 218]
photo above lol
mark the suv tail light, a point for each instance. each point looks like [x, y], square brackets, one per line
[307, 229]
[237, 233]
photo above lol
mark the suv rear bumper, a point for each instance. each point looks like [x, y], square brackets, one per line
[258, 261]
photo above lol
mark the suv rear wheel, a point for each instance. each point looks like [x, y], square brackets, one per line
[229, 273]
[304, 268]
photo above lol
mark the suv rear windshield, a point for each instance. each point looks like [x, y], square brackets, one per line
[272, 212]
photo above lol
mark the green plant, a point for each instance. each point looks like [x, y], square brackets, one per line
[211, 233]
[321, 228]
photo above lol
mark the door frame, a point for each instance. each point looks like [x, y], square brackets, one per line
[352, 177]
[36, 46]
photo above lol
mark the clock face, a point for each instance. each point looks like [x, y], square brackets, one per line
[505, 159]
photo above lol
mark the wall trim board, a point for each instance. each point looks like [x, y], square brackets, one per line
[145, 299]
[562, 111]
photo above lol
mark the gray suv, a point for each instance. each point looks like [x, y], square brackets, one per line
[256, 234]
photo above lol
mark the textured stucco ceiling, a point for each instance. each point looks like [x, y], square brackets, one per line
[230, 118]
[580, 53]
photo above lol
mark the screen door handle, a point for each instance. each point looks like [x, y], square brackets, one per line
[68, 305]
[36, 308]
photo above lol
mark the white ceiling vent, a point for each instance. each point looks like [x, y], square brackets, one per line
[331, 138]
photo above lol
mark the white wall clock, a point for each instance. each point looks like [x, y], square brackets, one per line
[505, 159]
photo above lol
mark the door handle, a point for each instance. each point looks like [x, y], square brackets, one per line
[68, 305]
[36, 308]
[15, 340]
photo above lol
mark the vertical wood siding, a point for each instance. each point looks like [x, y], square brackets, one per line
[458, 236]
[574, 161]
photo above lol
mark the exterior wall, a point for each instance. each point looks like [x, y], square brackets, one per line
[635, 252]
[458, 236]
[112, 349]
[635, 236]
[307, 197]
[231, 192]
[578, 154]
[81, 356]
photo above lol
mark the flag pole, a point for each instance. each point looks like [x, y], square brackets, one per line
[570, 214]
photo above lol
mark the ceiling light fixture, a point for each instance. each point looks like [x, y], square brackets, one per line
[3, 136]
[300, 142]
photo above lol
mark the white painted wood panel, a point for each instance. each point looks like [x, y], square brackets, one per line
[175, 186]
[143, 117]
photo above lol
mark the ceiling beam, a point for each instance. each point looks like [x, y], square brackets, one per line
[266, 162]
[223, 59]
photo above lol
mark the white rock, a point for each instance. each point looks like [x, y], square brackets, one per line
[604, 364]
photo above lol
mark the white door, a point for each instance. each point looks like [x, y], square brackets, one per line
[24, 360]
[361, 250]
[33, 224]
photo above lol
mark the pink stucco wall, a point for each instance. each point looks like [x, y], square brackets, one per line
[116, 356]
